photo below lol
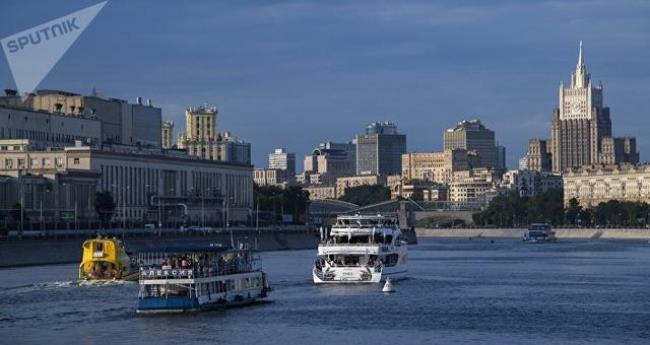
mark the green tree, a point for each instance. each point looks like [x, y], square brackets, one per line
[514, 210]
[620, 213]
[366, 195]
[104, 205]
[272, 202]
[572, 212]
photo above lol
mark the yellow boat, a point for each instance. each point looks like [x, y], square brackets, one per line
[105, 259]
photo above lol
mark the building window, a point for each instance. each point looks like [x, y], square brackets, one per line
[9, 163]
[76, 161]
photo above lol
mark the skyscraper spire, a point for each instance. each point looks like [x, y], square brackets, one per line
[581, 59]
[580, 78]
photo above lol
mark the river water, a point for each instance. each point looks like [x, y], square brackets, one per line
[458, 291]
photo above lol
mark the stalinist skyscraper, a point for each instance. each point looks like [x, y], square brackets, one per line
[581, 133]
[580, 123]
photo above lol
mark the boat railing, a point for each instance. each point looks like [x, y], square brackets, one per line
[228, 268]
[382, 246]
[376, 266]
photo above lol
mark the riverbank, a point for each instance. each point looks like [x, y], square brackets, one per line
[68, 250]
[607, 234]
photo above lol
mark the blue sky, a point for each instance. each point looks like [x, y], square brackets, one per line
[295, 73]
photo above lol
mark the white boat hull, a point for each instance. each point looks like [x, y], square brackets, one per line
[355, 275]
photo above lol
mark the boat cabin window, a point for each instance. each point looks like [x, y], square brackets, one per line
[204, 264]
[350, 260]
[167, 290]
[366, 223]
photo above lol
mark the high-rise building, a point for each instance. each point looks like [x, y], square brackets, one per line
[202, 139]
[438, 167]
[350, 149]
[231, 149]
[501, 157]
[380, 149]
[324, 166]
[618, 150]
[166, 133]
[582, 128]
[580, 122]
[538, 157]
[282, 160]
[122, 122]
[473, 136]
[329, 161]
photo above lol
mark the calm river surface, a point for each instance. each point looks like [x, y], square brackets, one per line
[459, 291]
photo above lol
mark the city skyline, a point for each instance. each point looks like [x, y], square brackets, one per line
[419, 59]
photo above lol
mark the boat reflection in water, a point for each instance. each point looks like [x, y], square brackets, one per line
[186, 278]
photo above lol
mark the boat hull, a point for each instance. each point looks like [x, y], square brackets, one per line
[172, 305]
[353, 275]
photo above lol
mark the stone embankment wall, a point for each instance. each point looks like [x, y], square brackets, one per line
[59, 251]
[609, 234]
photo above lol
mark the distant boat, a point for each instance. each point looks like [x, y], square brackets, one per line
[105, 259]
[539, 233]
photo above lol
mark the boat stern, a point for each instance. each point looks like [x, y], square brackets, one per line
[157, 305]
[346, 275]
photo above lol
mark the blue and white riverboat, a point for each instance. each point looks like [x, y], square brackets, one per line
[182, 279]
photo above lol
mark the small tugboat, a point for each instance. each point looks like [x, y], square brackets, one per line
[539, 233]
[105, 259]
[183, 279]
[361, 249]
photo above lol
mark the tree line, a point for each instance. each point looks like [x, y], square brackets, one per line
[514, 210]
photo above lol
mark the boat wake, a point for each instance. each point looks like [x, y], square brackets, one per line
[76, 283]
[55, 285]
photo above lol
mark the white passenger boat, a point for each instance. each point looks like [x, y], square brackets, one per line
[361, 249]
[184, 279]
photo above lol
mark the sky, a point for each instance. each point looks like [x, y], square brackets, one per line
[295, 73]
